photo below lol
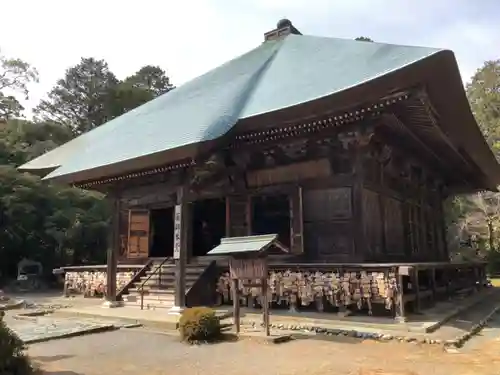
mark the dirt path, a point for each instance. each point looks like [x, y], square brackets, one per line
[127, 352]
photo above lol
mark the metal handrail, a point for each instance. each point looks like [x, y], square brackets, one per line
[141, 287]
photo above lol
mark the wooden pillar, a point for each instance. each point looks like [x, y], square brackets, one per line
[443, 246]
[416, 287]
[265, 306]
[399, 304]
[360, 243]
[181, 223]
[432, 273]
[296, 222]
[236, 304]
[113, 249]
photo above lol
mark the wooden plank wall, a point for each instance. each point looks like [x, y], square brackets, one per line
[328, 226]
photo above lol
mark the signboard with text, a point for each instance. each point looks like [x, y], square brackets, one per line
[177, 231]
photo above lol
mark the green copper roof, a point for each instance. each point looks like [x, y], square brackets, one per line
[273, 76]
[248, 244]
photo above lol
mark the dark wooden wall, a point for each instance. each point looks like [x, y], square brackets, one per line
[353, 198]
[402, 203]
[328, 224]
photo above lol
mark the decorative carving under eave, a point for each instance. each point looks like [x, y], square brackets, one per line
[204, 171]
[295, 150]
[384, 155]
[270, 157]
[241, 159]
[357, 139]
[325, 147]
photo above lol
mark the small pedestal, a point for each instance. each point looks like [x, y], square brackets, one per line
[111, 304]
[400, 319]
[175, 310]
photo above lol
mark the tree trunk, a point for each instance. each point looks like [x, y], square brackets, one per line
[491, 235]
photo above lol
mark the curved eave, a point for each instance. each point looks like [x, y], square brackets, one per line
[188, 152]
[448, 97]
[440, 76]
[51, 160]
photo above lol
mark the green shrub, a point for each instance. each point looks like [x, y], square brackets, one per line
[199, 324]
[13, 360]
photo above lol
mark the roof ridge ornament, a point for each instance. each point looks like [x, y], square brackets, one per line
[284, 27]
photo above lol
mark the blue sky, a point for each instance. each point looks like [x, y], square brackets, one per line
[189, 37]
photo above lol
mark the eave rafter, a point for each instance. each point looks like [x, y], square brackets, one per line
[420, 118]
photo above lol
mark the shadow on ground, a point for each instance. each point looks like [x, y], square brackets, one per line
[337, 339]
[51, 358]
[41, 361]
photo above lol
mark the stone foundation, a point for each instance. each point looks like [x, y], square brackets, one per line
[92, 282]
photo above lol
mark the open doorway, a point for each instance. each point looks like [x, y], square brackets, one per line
[209, 225]
[162, 233]
[271, 214]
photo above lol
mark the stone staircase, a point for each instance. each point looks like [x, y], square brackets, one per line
[159, 285]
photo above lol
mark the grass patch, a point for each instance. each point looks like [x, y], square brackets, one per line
[495, 282]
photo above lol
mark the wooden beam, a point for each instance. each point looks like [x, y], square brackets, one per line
[397, 122]
[181, 242]
[113, 250]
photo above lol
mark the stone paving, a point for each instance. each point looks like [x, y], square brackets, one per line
[46, 328]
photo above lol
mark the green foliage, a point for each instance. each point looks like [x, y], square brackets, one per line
[493, 259]
[90, 94]
[363, 39]
[13, 360]
[199, 324]
[15, 75]
[53, 224]
[484, 97]
[79, 100]
[478, 215]
[151, 79]
[59, 225]
[56, 225]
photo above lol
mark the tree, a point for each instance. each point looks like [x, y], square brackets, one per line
[90, 94]
[54, 224]
[152, 79]
[60, 225]
[22, 140]
[363, 39]
[484, 97]
[478, 215]
[80, 100]
[15, 76]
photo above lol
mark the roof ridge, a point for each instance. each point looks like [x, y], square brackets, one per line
[349, 40]
[256, 78]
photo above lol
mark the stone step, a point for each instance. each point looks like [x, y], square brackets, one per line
[171, 269]
[158, 297]
[153, 290]
[166, 279]
[164, 284]
[156, 291]
[150, 299]
[148, 306]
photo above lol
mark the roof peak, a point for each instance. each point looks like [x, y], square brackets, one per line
[283, 28]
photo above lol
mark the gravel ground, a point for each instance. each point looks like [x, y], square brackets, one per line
[140, 352]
